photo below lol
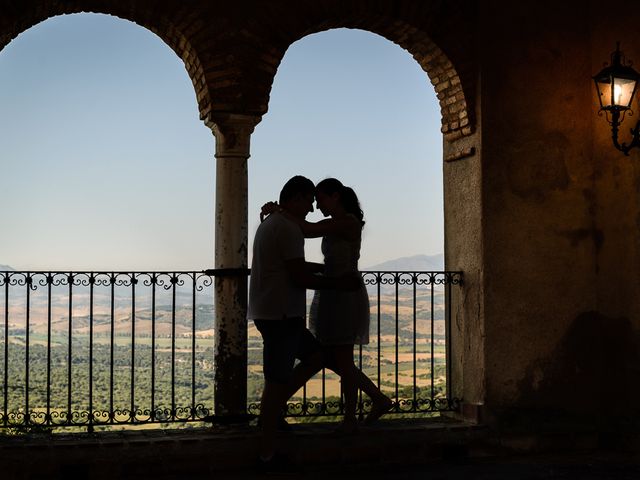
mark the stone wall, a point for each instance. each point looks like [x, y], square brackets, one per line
[541, 212]
[559, 236]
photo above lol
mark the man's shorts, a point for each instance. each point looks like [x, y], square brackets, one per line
[284, 341]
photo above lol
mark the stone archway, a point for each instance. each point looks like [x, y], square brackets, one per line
[451, 69]
[232, 52]
[453, 76]
[232, 55]
[257, 52]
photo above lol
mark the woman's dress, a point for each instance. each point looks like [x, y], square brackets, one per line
[340, 317]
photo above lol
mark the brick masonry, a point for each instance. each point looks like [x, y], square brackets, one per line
[232, 50]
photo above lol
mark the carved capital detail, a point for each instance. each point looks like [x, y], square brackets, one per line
[233, 133]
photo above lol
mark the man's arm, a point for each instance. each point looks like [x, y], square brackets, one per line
[345, 226]
[301, 275]
[313, 267]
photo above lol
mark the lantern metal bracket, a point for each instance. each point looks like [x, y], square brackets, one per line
[615, 126]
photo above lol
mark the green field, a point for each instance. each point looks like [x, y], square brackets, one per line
[132, 386]
[159, 370]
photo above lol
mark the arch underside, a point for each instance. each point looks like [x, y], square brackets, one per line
[232, 51]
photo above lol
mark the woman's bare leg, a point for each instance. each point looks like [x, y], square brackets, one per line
[342, 356]
[353, 379]
[380, 403]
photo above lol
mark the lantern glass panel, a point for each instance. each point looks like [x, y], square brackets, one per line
[623, 91]
[621, 94]
[604, 92]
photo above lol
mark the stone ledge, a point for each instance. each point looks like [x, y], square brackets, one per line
[204, 451]
[232, 450]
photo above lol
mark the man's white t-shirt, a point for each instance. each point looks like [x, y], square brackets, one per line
[272, 294]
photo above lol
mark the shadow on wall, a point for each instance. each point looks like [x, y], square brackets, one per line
[591, 380]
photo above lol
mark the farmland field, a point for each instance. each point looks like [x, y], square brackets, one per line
[161, 357]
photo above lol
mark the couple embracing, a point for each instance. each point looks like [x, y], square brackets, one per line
[339, 316]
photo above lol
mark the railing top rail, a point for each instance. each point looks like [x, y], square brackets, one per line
[434, 272]
[438, 276]
[7, 277]
[208, 271]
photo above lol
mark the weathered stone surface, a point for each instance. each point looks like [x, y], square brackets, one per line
[542, 214]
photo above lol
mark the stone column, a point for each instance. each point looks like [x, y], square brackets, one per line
[232, 133]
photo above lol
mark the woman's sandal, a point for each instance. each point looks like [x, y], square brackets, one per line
[378, 409]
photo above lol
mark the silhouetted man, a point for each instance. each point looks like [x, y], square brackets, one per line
[277, 305]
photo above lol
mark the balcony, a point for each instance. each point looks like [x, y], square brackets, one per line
[105, 350]
[104, 365]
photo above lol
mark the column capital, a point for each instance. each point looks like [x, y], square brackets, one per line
[233, 132]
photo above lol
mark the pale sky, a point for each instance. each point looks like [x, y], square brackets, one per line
[105, 164]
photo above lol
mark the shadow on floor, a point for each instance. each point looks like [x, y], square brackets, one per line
[395, 449]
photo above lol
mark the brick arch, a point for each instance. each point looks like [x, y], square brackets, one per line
[450, 71]
[232, 53]
[172, 32]
[454, 104]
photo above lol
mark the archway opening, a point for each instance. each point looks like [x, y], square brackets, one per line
[106, 163]
[106, 166]
[352, 105]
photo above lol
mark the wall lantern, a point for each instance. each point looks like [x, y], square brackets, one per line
[616, 85]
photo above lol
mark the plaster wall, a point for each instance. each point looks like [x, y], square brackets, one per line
[540, 231]
[617, 210]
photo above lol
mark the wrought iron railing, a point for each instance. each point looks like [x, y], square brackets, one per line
[409, 353]
[111, 348]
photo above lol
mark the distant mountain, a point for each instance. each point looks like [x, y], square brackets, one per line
[421, 263]
[6, 268]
